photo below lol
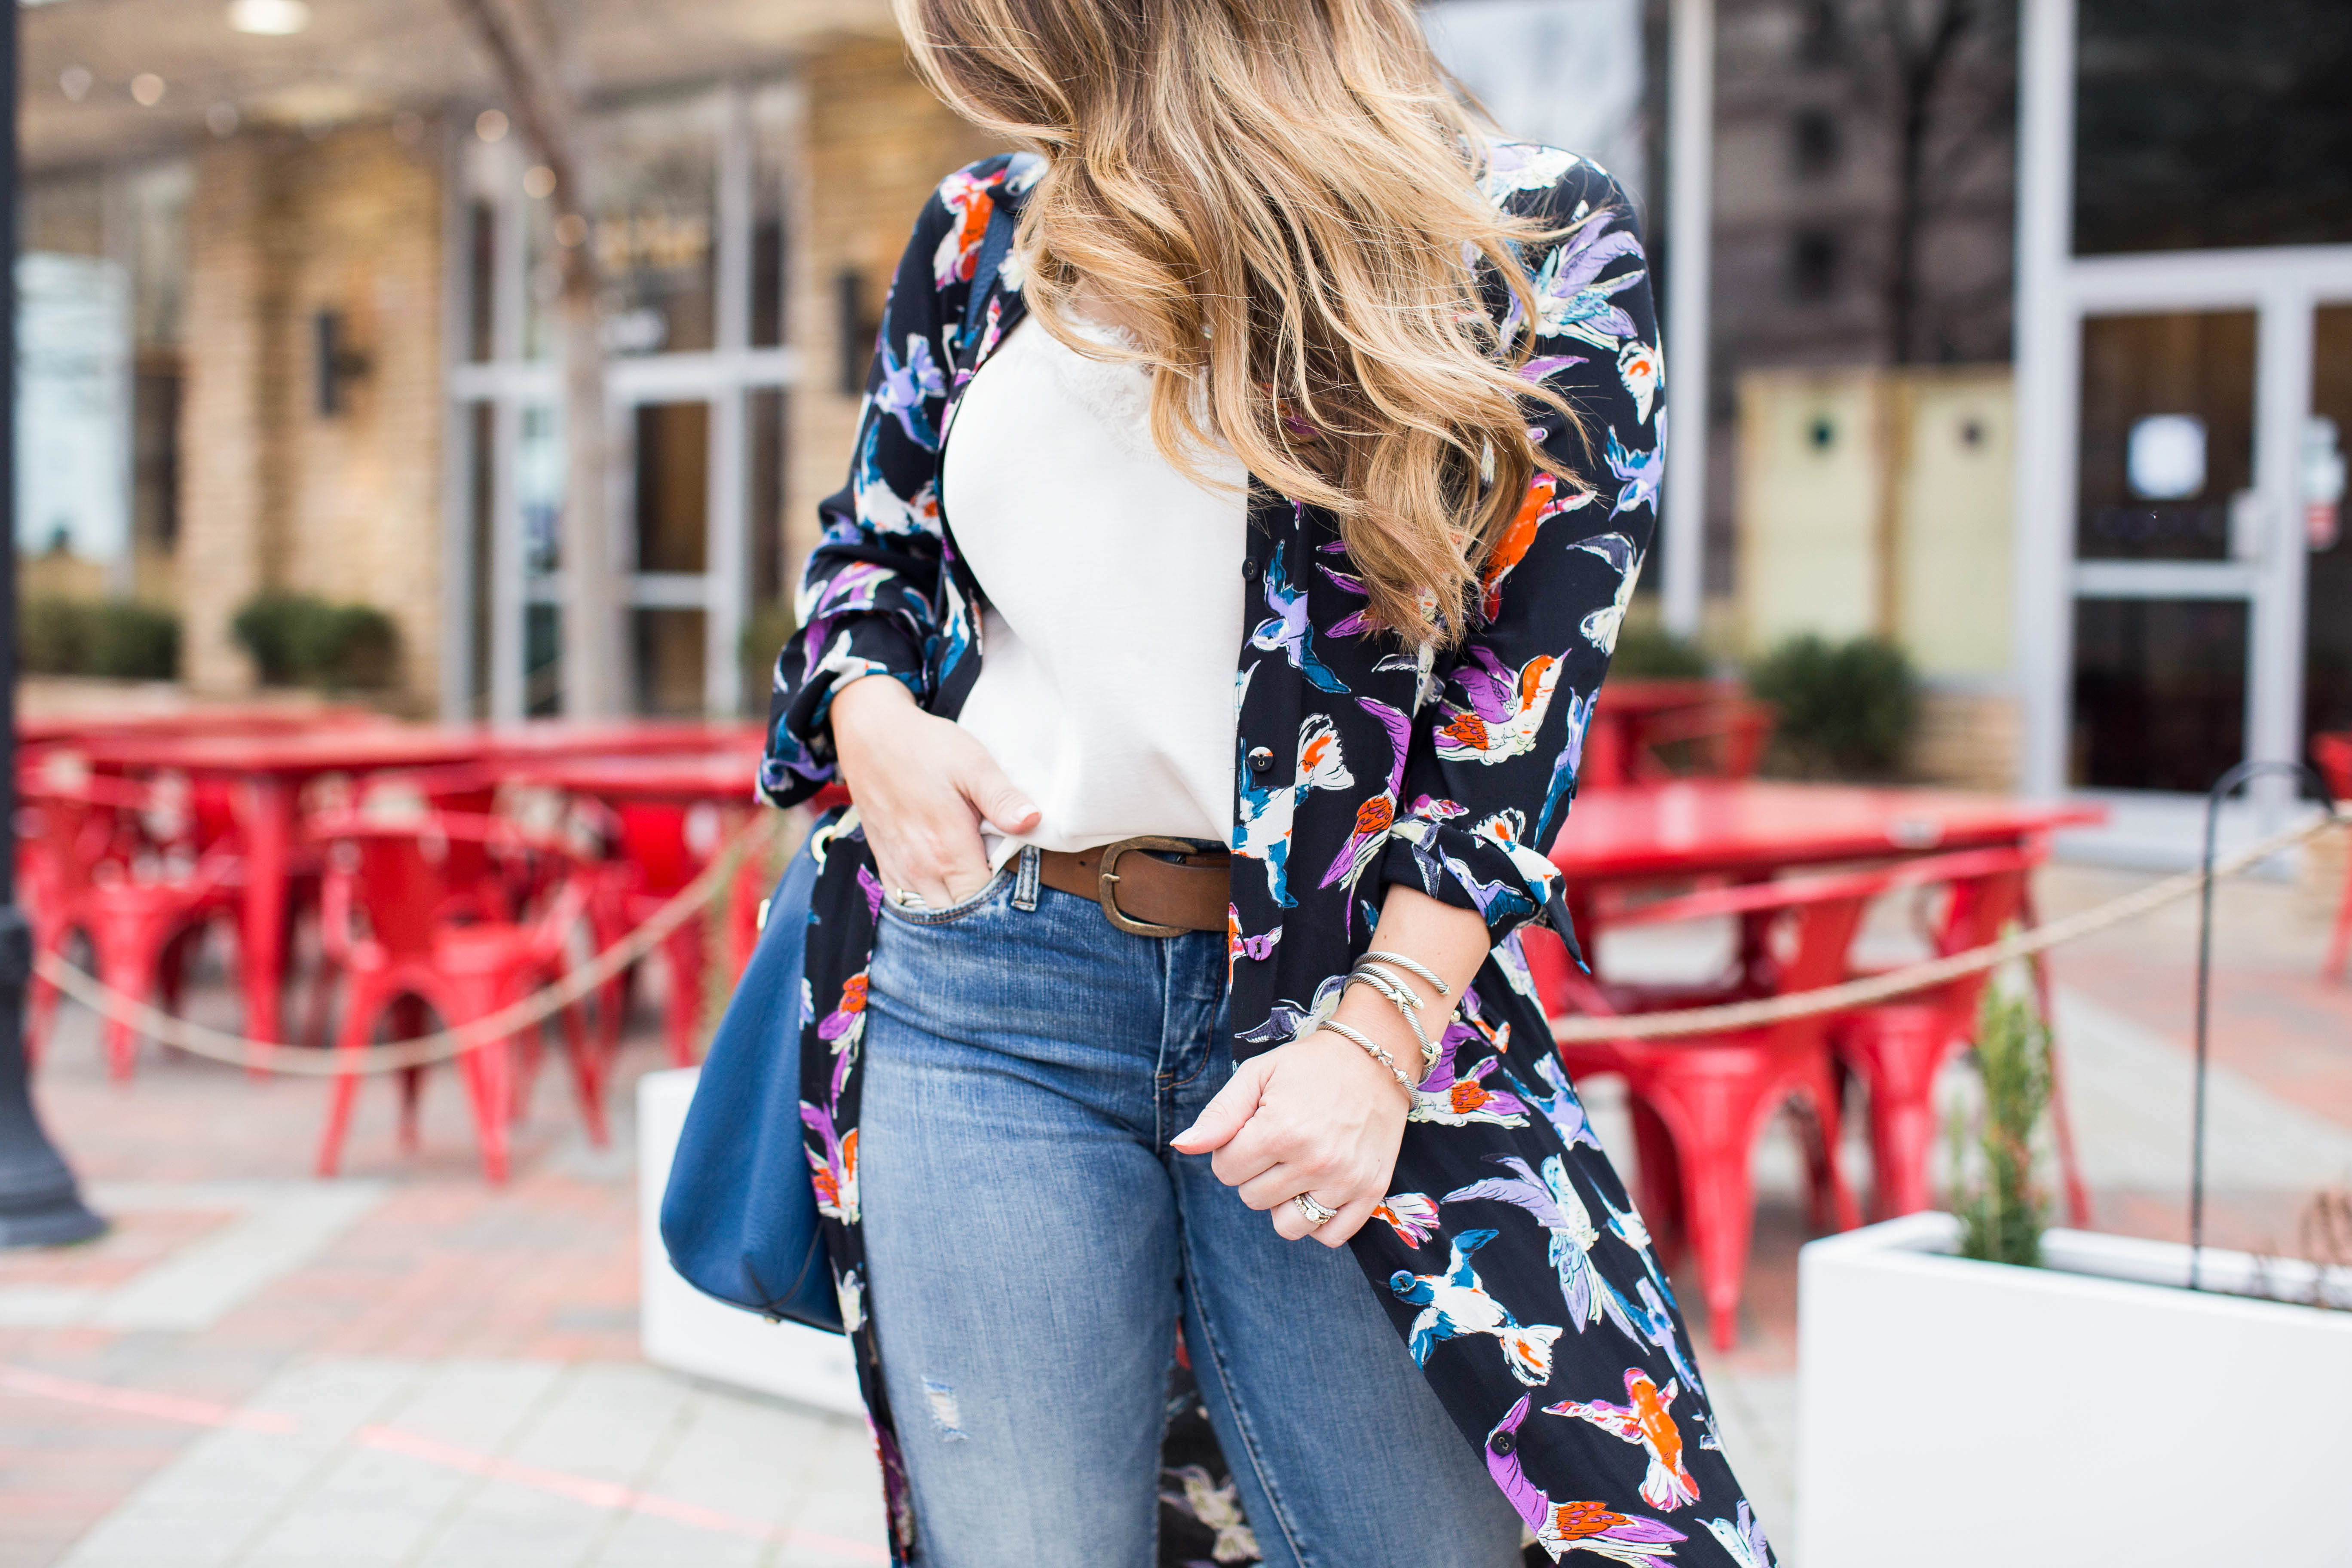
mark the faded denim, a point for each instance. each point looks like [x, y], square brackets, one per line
[1030, 1240]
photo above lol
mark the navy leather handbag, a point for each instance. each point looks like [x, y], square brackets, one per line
[738, 1218]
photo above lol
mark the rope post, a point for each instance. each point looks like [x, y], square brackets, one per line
[40, 1206]
[2227, 785]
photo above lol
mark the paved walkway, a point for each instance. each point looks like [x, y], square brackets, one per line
[407, 1367]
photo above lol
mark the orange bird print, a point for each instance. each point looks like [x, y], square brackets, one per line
[1544, 501]
[1644, 1419]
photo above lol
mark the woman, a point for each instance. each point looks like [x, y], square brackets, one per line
[1301, 446]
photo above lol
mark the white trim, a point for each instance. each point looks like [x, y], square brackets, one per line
[658, 378]
[2164, 580]
[457, 685]
[1689, 259]
[2206, 279]
[2048, 354]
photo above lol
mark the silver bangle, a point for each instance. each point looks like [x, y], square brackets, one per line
[1407, 1005]
[1401, 962]
[1349, 1032]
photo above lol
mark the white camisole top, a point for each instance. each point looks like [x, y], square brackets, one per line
[1114, 605]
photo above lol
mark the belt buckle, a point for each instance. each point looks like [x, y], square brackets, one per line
[1106, 883]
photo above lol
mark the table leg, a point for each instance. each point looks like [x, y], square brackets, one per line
[268, 856]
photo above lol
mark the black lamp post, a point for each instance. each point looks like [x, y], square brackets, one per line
[39, 1204]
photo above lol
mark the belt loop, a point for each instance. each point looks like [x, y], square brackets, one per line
[1024, 883]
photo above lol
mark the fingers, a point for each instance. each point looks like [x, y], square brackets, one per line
[1227, 1114]
[994, 795]
[1342, 1227]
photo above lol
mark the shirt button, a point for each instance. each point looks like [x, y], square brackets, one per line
[1249, 569]
[1261, 760]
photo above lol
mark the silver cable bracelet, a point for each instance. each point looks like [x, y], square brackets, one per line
[1349, 1032]
[1407, 1005]
[1401, 962]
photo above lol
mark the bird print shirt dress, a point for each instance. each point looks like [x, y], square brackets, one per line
[1508, 1256]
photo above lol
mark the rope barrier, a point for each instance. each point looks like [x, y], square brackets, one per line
[270, 1055]
[1568, 1028]
[1577, 1028]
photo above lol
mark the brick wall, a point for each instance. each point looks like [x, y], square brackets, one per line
[275, 494]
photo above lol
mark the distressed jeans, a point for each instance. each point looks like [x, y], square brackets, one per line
[1030, 1240]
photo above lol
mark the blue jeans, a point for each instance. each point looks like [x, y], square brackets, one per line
[1030, 1240]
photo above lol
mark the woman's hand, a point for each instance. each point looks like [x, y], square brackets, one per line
[923, 786]
[1317, 1116]
[1320, 1116]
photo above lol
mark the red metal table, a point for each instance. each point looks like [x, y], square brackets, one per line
[1729, 827]
[271, 770]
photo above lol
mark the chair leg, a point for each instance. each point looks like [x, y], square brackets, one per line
[487, 1084]
[361, 1005]
[1716, 1139]
[2340, 947]
[1822, 1113]
[407, 1023]
[589, 1064]
[129, 965]
[2070, 1168]
[684, 949]
[1656, 1163]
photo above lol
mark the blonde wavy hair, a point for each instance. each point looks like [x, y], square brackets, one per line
[1277, 200]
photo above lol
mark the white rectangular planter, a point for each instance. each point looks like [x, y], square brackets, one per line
[681, 1328]
[2087, 1412]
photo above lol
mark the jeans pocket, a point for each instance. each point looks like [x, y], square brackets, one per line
[989, 894]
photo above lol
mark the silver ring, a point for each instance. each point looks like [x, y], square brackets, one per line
[1315, 1214]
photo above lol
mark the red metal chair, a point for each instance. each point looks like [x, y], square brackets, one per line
[659, 850]
[404, 930]
[1700, 1103]
[1724, 738]
[1897, 1048]
[2335, 757]
[89, 866]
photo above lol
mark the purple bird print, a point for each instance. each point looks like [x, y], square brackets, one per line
[1287, 631]
[906, 383]
[1455, 1304]
[1452, 1100]
[1570, 299]
[1562, 1109]
[1641, 471]
[1375, 816]
[1506, 707]
[1647, 1322]
[1561, 1528]
[1556, 1206]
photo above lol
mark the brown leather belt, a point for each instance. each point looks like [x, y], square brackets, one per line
[1141, 892]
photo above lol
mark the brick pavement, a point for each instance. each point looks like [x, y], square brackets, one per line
[460, 1364]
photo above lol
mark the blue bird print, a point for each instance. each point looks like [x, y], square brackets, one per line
[1263, 817]
[1287, 631]
[1624, 557]
[1455, 1304]
[1556, 1206]
[1641, 471]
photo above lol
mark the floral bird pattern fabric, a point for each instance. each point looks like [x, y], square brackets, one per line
[1514, 1266]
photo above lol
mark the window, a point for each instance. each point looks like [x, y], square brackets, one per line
[1812, 265]
[1814, 143]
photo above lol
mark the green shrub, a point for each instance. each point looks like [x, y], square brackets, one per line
[1846, 709]
[1649, 652]
[119, 639]
[302, 639]
[2000, 1207]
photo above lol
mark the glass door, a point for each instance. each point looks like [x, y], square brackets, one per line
[690, 241]
[2327, 539]
[2167, 524]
